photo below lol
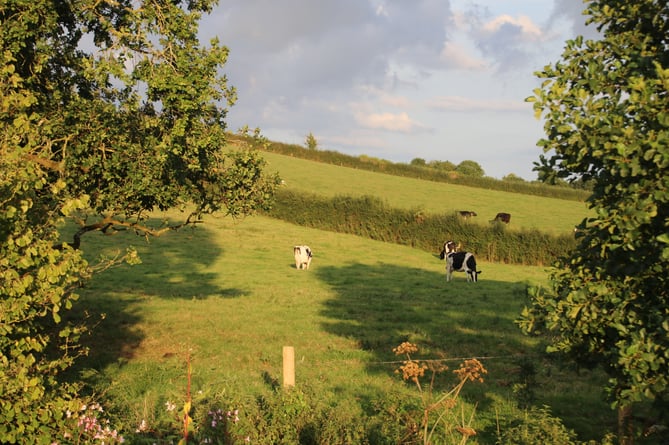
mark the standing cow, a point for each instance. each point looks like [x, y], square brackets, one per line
[459, 262]
[503, 217]
[302, 257]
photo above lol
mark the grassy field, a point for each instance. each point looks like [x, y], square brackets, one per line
[228, 295]
[227, 298]
[554, 216]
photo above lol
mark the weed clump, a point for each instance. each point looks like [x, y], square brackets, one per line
[443, 413]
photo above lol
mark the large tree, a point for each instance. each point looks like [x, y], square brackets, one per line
[109, 109]
[606, 111]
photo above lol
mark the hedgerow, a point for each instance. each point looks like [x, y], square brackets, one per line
[370, 217]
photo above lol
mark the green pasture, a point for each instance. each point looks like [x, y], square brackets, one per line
[228, 296]
[550, 215]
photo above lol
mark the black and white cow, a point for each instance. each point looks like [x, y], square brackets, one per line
[302, 257]
[459, 262]
[467, 213]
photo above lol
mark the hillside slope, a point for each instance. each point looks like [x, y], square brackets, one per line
[550, 215]
[367, 163]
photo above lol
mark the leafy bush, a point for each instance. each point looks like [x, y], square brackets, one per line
[37, 283]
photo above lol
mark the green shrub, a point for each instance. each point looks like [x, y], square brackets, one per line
[537, 427]
[342, 424]
[299, 416]
[282, 417]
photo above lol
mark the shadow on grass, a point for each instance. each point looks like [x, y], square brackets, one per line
[381, 306]
[174, 265]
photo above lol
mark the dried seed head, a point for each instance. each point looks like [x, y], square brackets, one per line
[412, 370]
[405, 348]
[471, 370]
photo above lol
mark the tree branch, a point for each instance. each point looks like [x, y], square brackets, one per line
[109, 225]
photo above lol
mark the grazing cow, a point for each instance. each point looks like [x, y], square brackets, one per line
[459, 262]
[302, 257]
[467, 213]
[503, 217]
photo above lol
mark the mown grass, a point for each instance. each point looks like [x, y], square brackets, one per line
[554, 216]
[228, 296]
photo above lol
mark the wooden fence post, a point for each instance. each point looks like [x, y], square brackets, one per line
[288, 366]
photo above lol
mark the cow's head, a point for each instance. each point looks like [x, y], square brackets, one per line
[449, 247]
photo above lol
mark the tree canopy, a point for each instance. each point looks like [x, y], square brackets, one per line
[108, 110]
[135, 123]
[470, 168]
[606, 111]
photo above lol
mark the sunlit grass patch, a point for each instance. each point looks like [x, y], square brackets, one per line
[229, 297]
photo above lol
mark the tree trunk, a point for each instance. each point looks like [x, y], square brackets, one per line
[625, 427]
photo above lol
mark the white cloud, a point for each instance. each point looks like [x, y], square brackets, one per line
[458, 57]
[396, 122]
[394, 101]
[372, 94]
[391, 78]
[521, 27]
[507, 41]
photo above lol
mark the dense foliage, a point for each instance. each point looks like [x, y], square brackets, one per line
[108, 110]
[470, 168]
[35, 286]
[606, 111]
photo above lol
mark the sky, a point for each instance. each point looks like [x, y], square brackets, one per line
[439, 80]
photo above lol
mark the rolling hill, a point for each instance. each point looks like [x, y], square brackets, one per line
[224, 298]
[551, 215]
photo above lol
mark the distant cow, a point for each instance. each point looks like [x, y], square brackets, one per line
[467, 213]
[302, 257]
[503, 217]
[459, 262]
